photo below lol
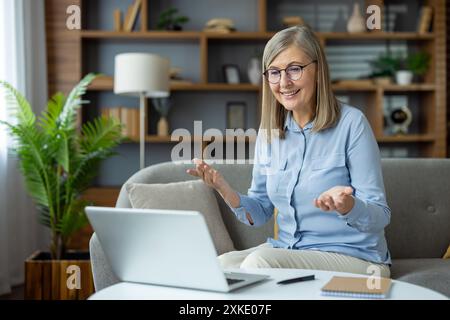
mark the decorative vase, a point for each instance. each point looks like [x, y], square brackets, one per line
[163, 127]
[403, 77]
[356, 23]
[254, 71]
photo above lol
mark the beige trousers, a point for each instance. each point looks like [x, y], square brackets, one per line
[265, 256]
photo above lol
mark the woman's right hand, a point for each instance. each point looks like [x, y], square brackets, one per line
[209, 175]
[215, 180]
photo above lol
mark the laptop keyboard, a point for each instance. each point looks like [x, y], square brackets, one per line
[233, 281]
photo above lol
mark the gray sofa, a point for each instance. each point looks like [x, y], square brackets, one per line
[418, 235]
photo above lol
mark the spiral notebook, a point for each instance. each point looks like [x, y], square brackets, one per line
[353, 287]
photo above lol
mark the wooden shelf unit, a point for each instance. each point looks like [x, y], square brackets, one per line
[65, 68]
[63, 75]
[65, 61]
[106, 84]
[197, 35]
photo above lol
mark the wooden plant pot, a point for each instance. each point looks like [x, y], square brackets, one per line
[68, 279]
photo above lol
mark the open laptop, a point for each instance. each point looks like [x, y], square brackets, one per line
[163, 247]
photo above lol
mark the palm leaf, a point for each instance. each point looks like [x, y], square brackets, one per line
[62, 154]
[74, 219]
[18, 105]
[49, 121]
[44, 216]
[33, 161]
[102, 133]
[87, 168]
[74, 101]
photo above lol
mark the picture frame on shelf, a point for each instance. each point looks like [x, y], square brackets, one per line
[236, 115]
[231, 74]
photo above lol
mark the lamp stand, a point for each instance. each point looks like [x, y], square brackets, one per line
[142, 130]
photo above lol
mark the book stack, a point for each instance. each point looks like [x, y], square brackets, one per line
[426, 14]
[353, 287]
[129, 19]
[128, 117]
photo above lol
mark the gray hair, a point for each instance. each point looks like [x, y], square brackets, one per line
[327, 111]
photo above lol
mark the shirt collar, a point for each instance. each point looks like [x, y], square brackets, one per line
[291, 125]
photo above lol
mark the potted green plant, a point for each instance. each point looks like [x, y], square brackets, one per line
[412, 66]
[58, 162]
[403, 76]
[418, 64]
[169, 20]
[384, 68]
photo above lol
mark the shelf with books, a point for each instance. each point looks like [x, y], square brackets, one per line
[149, 35]
[98, 30]
[107, 84]
[237, 35]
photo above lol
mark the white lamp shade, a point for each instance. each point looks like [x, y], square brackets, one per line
[136, 73]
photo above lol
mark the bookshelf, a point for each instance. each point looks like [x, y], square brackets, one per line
[68, 55]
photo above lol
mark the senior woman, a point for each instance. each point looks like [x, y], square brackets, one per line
[317, 162]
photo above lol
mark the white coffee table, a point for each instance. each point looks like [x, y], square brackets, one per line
[267, 290]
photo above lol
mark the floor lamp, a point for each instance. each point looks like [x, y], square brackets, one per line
[143, 75]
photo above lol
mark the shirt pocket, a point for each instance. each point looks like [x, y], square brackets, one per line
[327, 172]
[284, 176]
[279, 180]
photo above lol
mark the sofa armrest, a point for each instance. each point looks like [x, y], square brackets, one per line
[101, 270]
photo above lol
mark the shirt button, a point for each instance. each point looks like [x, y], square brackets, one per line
[431, 209]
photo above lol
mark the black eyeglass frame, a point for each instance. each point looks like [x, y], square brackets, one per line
[279, 70]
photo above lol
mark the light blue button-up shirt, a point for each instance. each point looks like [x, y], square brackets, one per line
[289, 173]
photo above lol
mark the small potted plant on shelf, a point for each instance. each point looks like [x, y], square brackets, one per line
[412, 67]
[58, 162]
[418, 64]
[403, 76]
[169, 20]
[384, 68]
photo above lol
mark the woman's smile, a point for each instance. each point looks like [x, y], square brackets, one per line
[289, 94]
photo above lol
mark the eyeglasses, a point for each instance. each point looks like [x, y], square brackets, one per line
[293, 72]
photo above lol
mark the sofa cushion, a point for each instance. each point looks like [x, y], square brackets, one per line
[186, 195]
[429, 273]
[239, 176]
[420, 218]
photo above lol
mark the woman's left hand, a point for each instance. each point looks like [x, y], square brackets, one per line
[338, 199]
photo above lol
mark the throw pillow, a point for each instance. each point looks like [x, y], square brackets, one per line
[186, 195]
